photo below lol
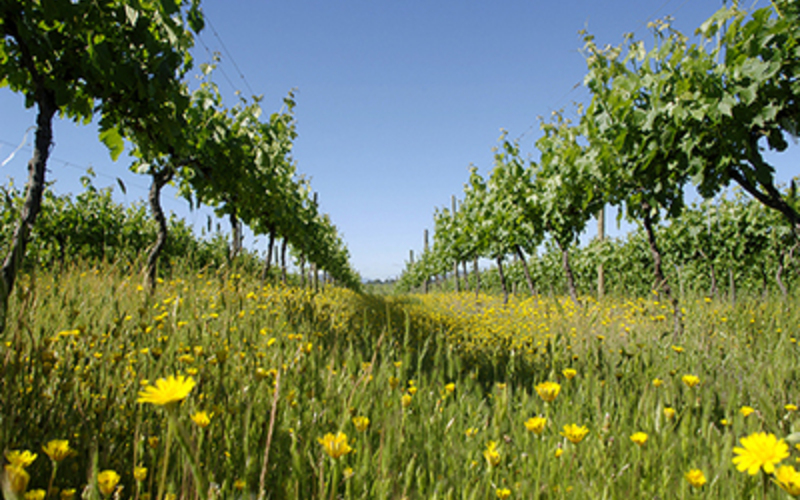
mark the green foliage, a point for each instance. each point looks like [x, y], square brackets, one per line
[91, 227]
[725, 247]
[658, 119]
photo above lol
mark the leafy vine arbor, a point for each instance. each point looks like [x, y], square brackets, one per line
[742, 96]
[568, 189]
[636, 153]
[241, 166]
[659, 119]
[514, 207]
[123, 60]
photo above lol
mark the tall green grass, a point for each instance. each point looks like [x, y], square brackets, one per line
[279, 368]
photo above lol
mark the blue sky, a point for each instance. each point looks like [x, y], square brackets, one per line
[395, 99]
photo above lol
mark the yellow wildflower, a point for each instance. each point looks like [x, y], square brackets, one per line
[790, 407]
[361, 423]
[760, 451]
[58, 449]
[639, 438]
[167, 391]
[35, 495]
[21, 458]
[450, 388]
[202, 419]
[140, 473]
[569, 373]
[690, 380]
[107, 482]
[669, 413]
[657, 382]
[696, 478]
[746, 410]
[575, 433]
[789, 479]
[406, 400]
[335, 446]
[548, 391]
[536, 424]
[491, 454]
[503, 493]
[68, 494]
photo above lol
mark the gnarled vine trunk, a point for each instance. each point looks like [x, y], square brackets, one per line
[33, 199]
[160, 179]
[573, 290]
[502, 279]
[527, 271]
[661, 280]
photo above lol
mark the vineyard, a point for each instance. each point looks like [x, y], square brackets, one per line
[142, 360]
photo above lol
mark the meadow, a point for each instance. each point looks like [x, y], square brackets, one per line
[218, 386]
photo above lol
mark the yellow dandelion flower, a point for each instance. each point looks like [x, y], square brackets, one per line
[239, 484]
[406, 400]
[639, 438]
[471, 431]
[690, 380]
[669, 413]
[536, 424]
[335, 446]
[657, 382]
[35, 495]
[760, 451]
[21, 458]
[569, 373]
[361, 423]
[491, 454]
[140, 473]
[696, 478]
[789, 479]
[58, 449]
[746, 411]
[68, 494]
[450, 388]
[503, 492]
[202, 419]
[559, 452]
[575, 433]
[107, 482]
[167, 391]
[17, 477]
[790, 407]
[548, 391]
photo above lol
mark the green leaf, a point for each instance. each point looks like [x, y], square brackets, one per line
[113, 141]
[132, 14]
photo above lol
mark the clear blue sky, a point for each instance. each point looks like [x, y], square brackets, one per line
[395, 99]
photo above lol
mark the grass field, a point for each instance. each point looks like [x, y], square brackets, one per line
[286, 393]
